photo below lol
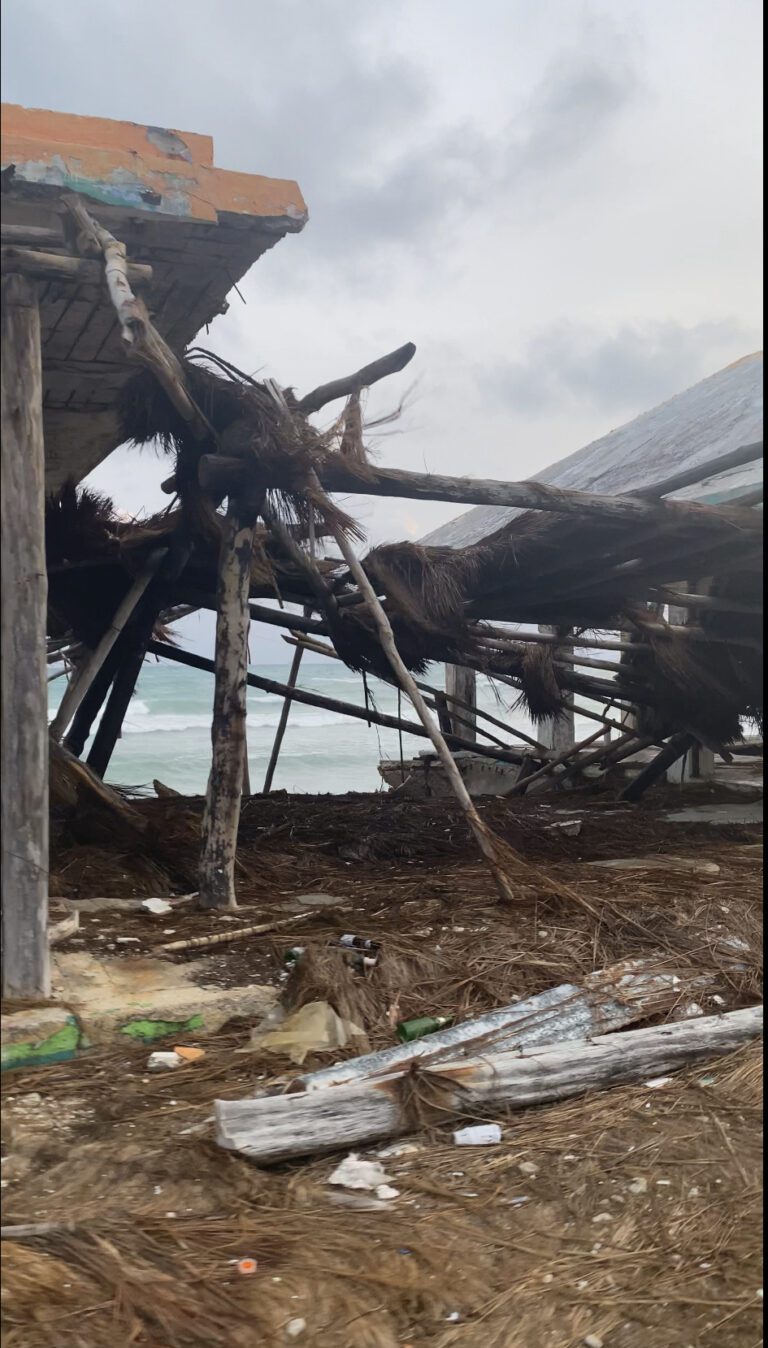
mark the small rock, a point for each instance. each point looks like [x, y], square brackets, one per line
[593, 1341]
[295, 1327]
[385, 1191]
[157, 906]
[528, 1168]
[602, 1217]
[639, 1185]
[398, 1149]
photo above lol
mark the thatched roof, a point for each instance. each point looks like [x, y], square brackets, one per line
[565, 570]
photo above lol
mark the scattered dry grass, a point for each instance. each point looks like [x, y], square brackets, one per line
[161, 1213]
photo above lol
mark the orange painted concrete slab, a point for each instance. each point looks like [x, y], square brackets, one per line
[125, 164]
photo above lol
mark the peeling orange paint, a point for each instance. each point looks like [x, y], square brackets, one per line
[125, 164]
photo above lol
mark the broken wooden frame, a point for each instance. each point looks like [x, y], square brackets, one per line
[234, 478]
[278, 1128]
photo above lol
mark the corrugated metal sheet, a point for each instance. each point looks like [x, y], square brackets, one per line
[714, 417]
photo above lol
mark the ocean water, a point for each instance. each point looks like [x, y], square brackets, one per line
[167, 730]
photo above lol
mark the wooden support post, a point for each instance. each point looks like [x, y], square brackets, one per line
[111, 723]
[24, 752]
[559, 733]
[77, 736]
[700, 762]
[461, 684]
[88, 671]
[225, 784]
[675, 749]
[285, 711]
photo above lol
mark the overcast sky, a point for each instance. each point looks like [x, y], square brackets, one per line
[558, 202]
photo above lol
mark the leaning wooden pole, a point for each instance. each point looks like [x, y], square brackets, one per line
[674, 749]
[89, 670]
[352, 709]
[225, 784]
[24, 752]
[285, 712]
[488, 844]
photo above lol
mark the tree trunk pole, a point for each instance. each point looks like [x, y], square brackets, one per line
[283, 722]
[225, 784]
[489, 846]
[26, 967]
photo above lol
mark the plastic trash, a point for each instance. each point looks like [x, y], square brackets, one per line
[314, 1028]
[189, 1054]
[352, 1173]
[479, 1135]
[164, 1062]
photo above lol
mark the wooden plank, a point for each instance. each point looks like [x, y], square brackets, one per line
[337, 477]
[24, 751]
[332, 704]
[34, 235]
[604, 1001]
[64, 266]
[689, 477]
[461, 684]
[270, 1129]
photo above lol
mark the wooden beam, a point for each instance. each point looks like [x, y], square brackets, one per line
[141, 338]
[461, 691]
[690, 477]
[83, 719]
[285, 712]
[90, 668]
[489, 845]
[65, 267]
[713, 603]
[602, 1002]
[520, 787]
[336, 476]
[24, 749]
[308, 699]
[32, 235]
[225, 784]
[274, 1128]
[439, 700]
[673, 750]
[355, 383]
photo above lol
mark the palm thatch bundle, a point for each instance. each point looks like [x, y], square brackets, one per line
[578, 574]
